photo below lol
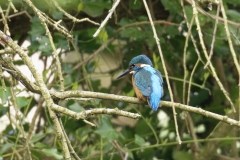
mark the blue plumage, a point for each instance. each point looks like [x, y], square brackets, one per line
[147, 81]
[141, 59]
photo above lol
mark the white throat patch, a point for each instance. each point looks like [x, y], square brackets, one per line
[144, 65]
[132, 72]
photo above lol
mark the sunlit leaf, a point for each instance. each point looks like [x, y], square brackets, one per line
[40, 145]
[139, 140]
[103, 36]
[22, 102]
[37, 137]
[94, 9]
[80, 6]
[75, 86]
[4, 94]
[5, 147]
[53, 153]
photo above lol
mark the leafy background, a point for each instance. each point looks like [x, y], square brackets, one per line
[153, 136]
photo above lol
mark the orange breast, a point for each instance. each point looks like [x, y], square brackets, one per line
[137, 91]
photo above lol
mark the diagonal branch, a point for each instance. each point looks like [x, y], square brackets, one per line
[164, 68]
[42, 87]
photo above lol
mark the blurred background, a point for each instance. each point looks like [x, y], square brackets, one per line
[87, 66]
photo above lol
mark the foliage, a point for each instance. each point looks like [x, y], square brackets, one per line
[151, 137]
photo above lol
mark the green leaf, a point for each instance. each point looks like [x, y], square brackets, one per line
[135, 4]
[172, 6]
[75, 86]
[129, 32]
[202, 19]
[45, 46]
[206, 75]
[80, 6]
[36, 28]
[57, 15]
[22, 102]
[67, 68]
[3, 110]
[139, 140]
[156, 59]
[61, 42]
[189, 12]
[76, 107]
[233, 14]
[5, 147]
[233, 2]
[36, 154]
[125, 21]
[37, 137]
[53, 153]
[103, 36]
[68, 80]
[94, 9]
[106, 130]
[4, 94]
[131, 93]
[40, 145]
[180, 155]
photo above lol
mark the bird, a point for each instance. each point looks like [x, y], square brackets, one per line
[147, 81]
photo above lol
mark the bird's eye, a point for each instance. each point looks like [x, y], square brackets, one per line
[132, 66]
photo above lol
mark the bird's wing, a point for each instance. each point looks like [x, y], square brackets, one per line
[160, 77]
[143, 82]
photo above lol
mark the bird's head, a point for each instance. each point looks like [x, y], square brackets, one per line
[137, 63]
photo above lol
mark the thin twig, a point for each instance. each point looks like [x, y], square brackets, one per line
[190, 81]
[195, 14]
[202, 11]
[107, 18]
[2, 78]
[213, 38]
[55, 55]
[94, 54]
[33, 121]
[17, 14]
[42, 87]
[70, 16]
[73, 153]
[46, 19]
[6, 28]
[235, 60]
[185, 61]
[12, 6]
[164, 68]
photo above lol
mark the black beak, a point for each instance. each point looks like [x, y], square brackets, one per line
[124, 73]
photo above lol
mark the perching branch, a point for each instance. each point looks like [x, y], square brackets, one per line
[87, 94]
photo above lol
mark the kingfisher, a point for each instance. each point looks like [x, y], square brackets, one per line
[147, 81]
